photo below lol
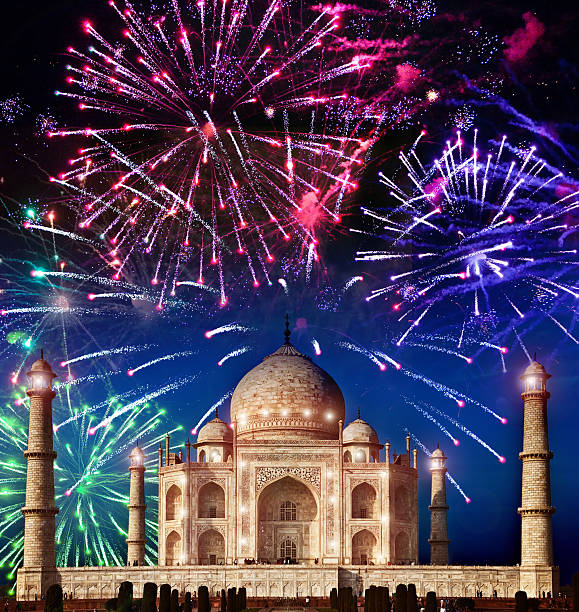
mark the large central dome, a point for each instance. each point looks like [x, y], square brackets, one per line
[287, 396]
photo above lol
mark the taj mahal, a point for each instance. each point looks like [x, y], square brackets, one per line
[288, 500]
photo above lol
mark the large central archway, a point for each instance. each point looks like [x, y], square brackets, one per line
[288, 522]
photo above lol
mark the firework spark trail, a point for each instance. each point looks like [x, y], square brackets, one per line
[230, 327]
[563, 328]
[363, 351]
[116, 351]
[104, 404]
[213, 408]
[197, 286]
[72, 382]
[236, 353]
[460, 398]
[438, 424]
[316, 346]
[42, 310]
[450, 478]
[283, 283]
[133, 371]
[172, 386]
[59, 232]
[440, 349]
[389, 359]
[352, 282]
[469, 433]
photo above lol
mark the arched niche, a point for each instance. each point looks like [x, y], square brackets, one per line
[364, 501]
[402, 548]
[211, 547]
[173, 503]
[173, 549]
[211, 501]
[363, 547]
[401, 503]
[277, 505]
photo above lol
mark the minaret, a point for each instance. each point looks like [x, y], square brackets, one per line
[39, 510]
[137, 538]
[438, 526]
[536, 509]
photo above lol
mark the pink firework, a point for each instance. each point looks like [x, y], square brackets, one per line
[226, 129]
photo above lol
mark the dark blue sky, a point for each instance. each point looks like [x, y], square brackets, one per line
[33, 35]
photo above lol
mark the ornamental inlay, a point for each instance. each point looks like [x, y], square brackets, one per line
[354, 482]
[218, 481]
[354, 529]
[264, 475]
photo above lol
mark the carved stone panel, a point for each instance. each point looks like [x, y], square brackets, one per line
[264, 475]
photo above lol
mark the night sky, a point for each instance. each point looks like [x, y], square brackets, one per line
[528, 63]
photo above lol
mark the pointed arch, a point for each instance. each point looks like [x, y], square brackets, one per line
[173, 503]
[211, 547]
[364, 501]
[173, 549]
[211, 501]
[363, 547]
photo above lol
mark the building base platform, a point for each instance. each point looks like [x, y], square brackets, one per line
[289, 581]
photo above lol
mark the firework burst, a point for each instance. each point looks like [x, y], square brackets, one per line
[228, 129]
[91, 482]
[482, 235]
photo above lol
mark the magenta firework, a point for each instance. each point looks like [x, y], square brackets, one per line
[225, 129]
[486, 232]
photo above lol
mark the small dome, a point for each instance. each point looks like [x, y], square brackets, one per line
[215, 431]
[137, 452]
[360, 431]
[438, 453]
[536, 369]
[41, 365]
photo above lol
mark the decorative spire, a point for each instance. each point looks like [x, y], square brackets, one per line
[287, 333]
[217, 412]
[358, 413]
[535, 356]
[41, 353]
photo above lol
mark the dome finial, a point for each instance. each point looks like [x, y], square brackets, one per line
[535, 356]
[41, 353]
[287, 333]
[217, 412]
[358, 413]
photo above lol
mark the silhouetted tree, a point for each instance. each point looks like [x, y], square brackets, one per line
[125, 597]
[232, 600]
[411, 599]
[241, 599]
[187, 604]
[384, 599]
[165, 598]
[223, 601]
[401, 598]
[576, 592]
[174, 601]
[53, 601]
[149, 601]
[203, 604]
[334, 598]
[521, 601]
[430, 602]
